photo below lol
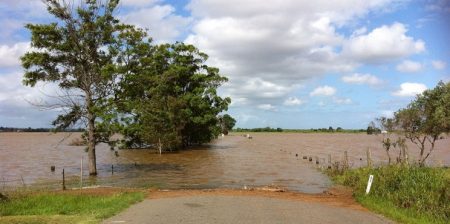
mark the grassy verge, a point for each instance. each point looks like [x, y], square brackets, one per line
[58, 207]
[405, 194]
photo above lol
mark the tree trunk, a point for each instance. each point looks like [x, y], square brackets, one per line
[91, 137]
[422, 150]
[431, 150]
[405, 155]
[389, 157]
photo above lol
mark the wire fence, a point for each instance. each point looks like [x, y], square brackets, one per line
[129, 175]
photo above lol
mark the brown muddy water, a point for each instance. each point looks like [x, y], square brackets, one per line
[230, 162]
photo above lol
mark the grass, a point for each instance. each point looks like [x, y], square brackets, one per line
[405, 194]
[57, 207]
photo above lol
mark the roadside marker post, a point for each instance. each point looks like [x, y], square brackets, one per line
[369, 184]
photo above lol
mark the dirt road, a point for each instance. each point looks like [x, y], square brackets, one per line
[238, 206]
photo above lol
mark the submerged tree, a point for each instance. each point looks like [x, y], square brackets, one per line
[387, 125]
[173, 99]
[425, 119]
[226, 123]
[81, 53]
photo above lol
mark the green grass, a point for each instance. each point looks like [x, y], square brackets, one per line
[405, 194]
[64, 208]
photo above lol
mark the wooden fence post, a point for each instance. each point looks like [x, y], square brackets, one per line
[81, 173]
[369, 158]
[346, 160]
[63, 181]
[405, 155]
[23, 182]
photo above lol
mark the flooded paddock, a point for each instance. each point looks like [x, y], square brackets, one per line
[230, 162]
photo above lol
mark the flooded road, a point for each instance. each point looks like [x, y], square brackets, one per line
[230, 162]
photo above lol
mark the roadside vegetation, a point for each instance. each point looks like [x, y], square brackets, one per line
[407, 194]
[407, 190]
[64, 207]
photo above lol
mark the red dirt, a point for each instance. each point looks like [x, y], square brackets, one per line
[338, 196]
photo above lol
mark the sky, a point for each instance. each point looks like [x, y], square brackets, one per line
[290, 64]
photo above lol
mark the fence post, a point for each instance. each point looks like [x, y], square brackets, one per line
[345, 160]
[369, 158]
[63, 181]
[405, 155]
[81, 173]
[23, 182]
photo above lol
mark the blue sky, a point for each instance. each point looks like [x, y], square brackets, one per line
[290, 64]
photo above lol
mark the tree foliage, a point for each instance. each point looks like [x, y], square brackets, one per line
[79, 52]
[113, 80]
[226, 123]
[426, 118]
[173, 100]
[372, 129]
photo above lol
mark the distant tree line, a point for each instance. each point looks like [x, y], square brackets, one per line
[312, 130]
[29, 129]
[266, 129]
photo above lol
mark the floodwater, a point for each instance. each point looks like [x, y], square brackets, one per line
[230, 162]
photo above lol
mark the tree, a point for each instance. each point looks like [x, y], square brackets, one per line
[173, 100]
[426, 118]
[387, 125]
[371, 129]
[226, 123]
[81, 53]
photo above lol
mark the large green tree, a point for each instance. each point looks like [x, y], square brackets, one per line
[173, 100]
[85, 53]
[426, 119]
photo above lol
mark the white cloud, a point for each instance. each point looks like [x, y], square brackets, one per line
[438, 6]
[10, 55]
[293, 101]
[255, 91]
[342, 101]
[163, 24]
[410, 89]
[383, 44]
[409, 66]
[323, 91]
[267, 107]
[439, 65]
[22, 105]
[360, 31]
[139, 3]
[387, 113]
[280, 42]
[358, 78]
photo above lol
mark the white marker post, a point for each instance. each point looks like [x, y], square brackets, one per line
[369, 184]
